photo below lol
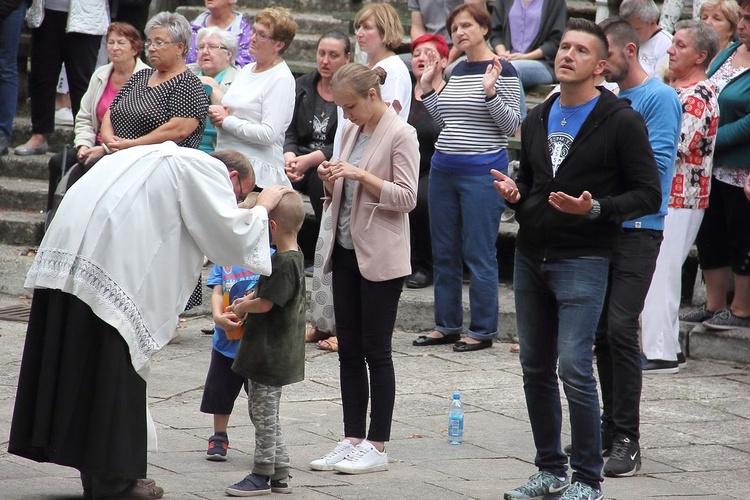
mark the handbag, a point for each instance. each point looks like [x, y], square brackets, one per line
[35, 14]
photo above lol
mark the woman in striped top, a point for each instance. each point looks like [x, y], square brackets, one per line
[478, 109]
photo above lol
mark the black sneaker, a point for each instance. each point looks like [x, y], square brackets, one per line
[217, 447]
[281, 485]
[625, 459]
[252, 485]
[660, 366]
[697, 315]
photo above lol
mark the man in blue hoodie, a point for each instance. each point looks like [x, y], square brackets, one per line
[618, 354]
[586, 167]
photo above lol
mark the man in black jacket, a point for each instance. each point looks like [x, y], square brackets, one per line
[586, 166]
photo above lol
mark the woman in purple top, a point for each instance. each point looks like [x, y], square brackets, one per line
[221, 15]
[527, 33]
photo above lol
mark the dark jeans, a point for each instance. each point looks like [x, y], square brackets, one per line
[618, 353]
[50, 48]
[365, 316]
[10, 34]
[419, 223]
[558, 304]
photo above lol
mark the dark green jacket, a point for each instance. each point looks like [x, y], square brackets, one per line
[733, 135]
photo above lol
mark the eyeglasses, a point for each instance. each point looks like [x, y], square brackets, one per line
[260, 36]
[156, 43]
[119, 43]
[241, 196]
[210, 48]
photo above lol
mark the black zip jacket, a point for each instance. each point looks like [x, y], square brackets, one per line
[300, 131]
[611, 157]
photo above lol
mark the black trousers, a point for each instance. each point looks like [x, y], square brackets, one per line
[50, 48]
[419, 223]
[618, 353]
[365, 316]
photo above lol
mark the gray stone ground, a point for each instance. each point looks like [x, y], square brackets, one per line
[695, 425]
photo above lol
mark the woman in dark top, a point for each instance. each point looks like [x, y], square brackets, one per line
[309, 138]
[166, 103]
[424, 49]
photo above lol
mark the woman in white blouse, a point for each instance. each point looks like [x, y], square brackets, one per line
[256, 110]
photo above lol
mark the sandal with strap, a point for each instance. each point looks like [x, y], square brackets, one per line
[329, 344]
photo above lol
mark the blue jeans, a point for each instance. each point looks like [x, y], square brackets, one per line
[558, 304]
[10, 34]
[531, 73]
[465, 215]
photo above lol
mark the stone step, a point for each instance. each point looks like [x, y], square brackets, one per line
[304, 5]
[21, 227]
[25, 167]
[23, 194]
[307, 22]
[22, 131]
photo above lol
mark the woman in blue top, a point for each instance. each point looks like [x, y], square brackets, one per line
[478, 109]
[724, 237]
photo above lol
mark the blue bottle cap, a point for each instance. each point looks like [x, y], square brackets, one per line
[456, 395]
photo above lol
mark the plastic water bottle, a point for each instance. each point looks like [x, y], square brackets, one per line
[456, 420]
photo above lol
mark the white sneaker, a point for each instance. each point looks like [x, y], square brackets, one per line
[364, 458]
[342, 449]
[64, 116]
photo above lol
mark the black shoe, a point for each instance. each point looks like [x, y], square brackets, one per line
[660, 366]
[419, 279]
[462, 346]
[625, 459]
[424, 340]
[281, 485]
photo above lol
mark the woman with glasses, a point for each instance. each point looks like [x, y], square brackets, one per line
[256, 111]
[162, 103]
[220, 15]
[124, 45]
[215, 68]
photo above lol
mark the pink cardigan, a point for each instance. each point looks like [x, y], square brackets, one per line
[380, 227]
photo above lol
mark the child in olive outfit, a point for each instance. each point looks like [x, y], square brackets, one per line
[272, 351]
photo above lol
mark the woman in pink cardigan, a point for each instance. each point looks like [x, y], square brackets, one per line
[371, 188]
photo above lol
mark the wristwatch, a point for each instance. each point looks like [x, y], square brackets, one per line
[596, 210]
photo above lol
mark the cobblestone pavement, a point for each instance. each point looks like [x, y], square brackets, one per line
[695, 428]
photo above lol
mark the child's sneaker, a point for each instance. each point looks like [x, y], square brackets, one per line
[252, 485]
[342, 449]
[217, 447]
[364, 458]
[281, 485]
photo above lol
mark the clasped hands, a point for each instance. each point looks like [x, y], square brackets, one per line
[329, 171]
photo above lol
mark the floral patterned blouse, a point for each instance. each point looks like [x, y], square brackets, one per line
[692, 171]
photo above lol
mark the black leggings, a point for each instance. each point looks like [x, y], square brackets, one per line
[365, 316]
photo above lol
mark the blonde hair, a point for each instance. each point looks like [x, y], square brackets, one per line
[279, 20]
[387, 21]
[289, 214]
[728, 8]
[358, 79]
[250, 200]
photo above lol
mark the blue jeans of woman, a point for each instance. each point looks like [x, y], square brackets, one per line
[465, 215]
[10, 34]
[558, 304]
[531, 73]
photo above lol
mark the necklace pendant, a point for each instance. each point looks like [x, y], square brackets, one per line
[563, 122]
